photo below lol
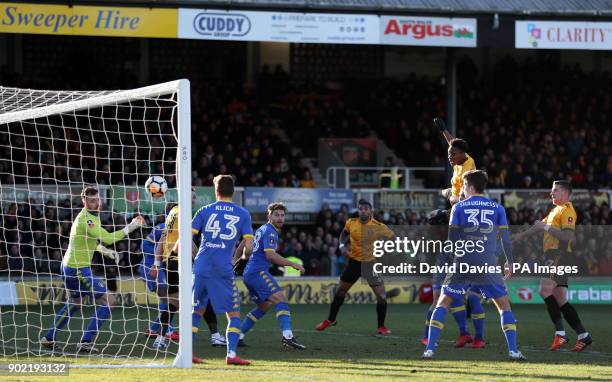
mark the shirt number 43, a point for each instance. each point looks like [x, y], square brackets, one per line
[213, 226]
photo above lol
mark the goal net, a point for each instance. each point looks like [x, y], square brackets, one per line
[54, 143]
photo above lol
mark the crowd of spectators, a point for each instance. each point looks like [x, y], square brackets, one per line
[34, 238]
[527, 124]
[232, 133]
[523, 124]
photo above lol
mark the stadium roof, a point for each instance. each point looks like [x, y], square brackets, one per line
[511, 7]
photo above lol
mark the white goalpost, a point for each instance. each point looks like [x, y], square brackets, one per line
[52, 144]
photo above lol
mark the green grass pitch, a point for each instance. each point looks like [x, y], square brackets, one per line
[348, 352]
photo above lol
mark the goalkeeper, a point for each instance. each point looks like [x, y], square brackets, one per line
[78, 278]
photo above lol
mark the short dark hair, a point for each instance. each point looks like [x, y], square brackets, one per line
[275, 207]
[89, 191]
[170, 206]
[477, 179]
[364, 203]
[565, 184]
[224, 185]
[459, 144]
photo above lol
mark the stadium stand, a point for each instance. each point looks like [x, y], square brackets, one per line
[512, 124]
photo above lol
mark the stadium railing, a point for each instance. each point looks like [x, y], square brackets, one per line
[395, 177]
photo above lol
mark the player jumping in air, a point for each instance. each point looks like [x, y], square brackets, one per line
[458, 158]
[461, 162]
[477, 220]
[221, 225]
[558, 227]
[263, 288]
[85, 234]
[362, 232]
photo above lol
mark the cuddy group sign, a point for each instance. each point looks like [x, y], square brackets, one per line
[278, 26]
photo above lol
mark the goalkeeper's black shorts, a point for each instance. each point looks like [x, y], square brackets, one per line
[172, 276]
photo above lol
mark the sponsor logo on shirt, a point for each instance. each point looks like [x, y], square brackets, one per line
[213, 245]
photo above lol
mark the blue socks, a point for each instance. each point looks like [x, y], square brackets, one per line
[61, 319]
[103, 312]
[232, 335]
[436, 324]
[251, 319]
[509, 327]
[478, 315]
[429, 313]
[195, 325]
[457, 308]
[283, 315]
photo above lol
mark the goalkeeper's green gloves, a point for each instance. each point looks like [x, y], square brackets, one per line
[136, 223]
[109, 253]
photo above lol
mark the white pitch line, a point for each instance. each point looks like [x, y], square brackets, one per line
[527, 348]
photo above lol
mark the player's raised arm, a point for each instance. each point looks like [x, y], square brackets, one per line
[95, 230]
[441, 126]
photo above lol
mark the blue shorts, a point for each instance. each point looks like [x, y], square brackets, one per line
[152, 283]
[81, 282]
[438, 287]
[458, 291]
[222, 292]
[261, 285]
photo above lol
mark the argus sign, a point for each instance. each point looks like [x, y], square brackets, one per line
[427, 31]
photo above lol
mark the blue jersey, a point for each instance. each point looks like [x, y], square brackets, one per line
[266, 239]
[480, 221]
[149, 243]
[221, 225]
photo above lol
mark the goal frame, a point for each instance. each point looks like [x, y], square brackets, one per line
[181, 87]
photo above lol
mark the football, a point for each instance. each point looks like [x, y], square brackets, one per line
[156, 186]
